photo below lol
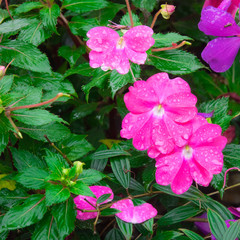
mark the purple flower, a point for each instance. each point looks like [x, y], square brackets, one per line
[220, 52]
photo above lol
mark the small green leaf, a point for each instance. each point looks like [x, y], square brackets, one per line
[26, 214]
[33, 178]
[90, 176]
[56, 194]
[167, 235]
[232, 232]
[6, 84]
[231, 155]
[149, 225]
[109, 211]
[179, 214]
[28, 6]
[65, 216]
[191, 235]
[217, 225]
[81, 189]
[108, 154]
[126, 20]
[175, 62]
[114, 234]
[126, 228]
[14, 25]
[81, 6]
[145, 4]
[103, 198]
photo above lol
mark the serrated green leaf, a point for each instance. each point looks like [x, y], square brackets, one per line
[220, 108]
[117, 80]
[26, 56]
[109, 211]
[56, 194]
[179, 214]
[65, 216]
[81, 69]
[3, 15]
[191, 235]
[55, 131]
[6, 84]
[90, 176]
[216, 224]
[30, 212]
[13, 26]
[46, 229]
[175, 62]
[49, 17]
[145, 4]
[24, 160]
[33, 178]
[75, 146]
[81, 6]
[27, 6]
[125, 20]
[81, 189]
[121, 169]
[114, 234]
[37, 117]
[232, 232]
[231, 155]
[126, 228]
[166, 40]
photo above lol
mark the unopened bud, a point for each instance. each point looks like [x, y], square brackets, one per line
[2, 71]
[167, 10]
[65, 171]
[79, 167]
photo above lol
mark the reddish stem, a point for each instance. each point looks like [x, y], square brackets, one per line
[6, 2]
[169, 48]
[225, 175]
[130, 13]
[155, 18]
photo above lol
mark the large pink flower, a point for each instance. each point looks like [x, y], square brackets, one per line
[230, 6]
[159, 110]
[110, 51]
[81, 202]
[132, 214]
[198, 160]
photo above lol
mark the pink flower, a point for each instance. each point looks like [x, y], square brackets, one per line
[2, 71]
[159, 109]
[130, 213]
[198, 160]
[110, 51]
[230, 6]
[81, 203]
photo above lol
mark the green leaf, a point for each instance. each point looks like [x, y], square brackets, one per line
[83, 111]
[125, 20]
[46, 229]
[121, 169]
[149, 225]
[55, 131]
[14, 25]
[218, 180]
[81, 6]
[145, 4]
[148, 175]
[3, 15]
[70, 54]
[167, 235]
[220, 108]
[81, 69]
[217, 225]
[55, 162]
[3, 235]
[135, 185]
[126, 228]
[33, 178]
[175, 62]
[6, 84]
[56, 194]
[90, 176]
[27, 6]
[37, 117]
[81, 189]
[114, 234]
[109, 211]
[75, 146]
[65, 216]
[26, 56]
[179, 214]
[24, 160]
[34, 33]
[231, 155]
[117, 80]
[4, 138]
[232, 232]
[26, 214]
[108, 154]
[49, 17]
[103, 198]
[191, 235]
[166, 40]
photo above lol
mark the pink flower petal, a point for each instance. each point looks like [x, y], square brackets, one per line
[96, 59]
[167, 168]
[139, 38]
[102, 33]
[183, 179]
[124, 65]
[210, 158]
[98, 191]
[136, 57]
[133, 214]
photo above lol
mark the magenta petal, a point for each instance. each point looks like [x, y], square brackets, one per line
[123, 204]
[98, 191]
[217, 22]
[96, 59]
[124, 65]
[102, 33]
[235, 211]
[139, 38]
[136, 57]
[183, 179]
[221, 52]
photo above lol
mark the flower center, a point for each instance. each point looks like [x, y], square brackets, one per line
[158, 110]
[187, 152]
[120, 43]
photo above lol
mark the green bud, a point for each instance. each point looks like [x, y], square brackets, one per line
[79, 167]
[209, 120]
[65, 171]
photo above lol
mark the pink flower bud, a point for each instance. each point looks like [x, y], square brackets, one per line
[167, 10]
[2, 71]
